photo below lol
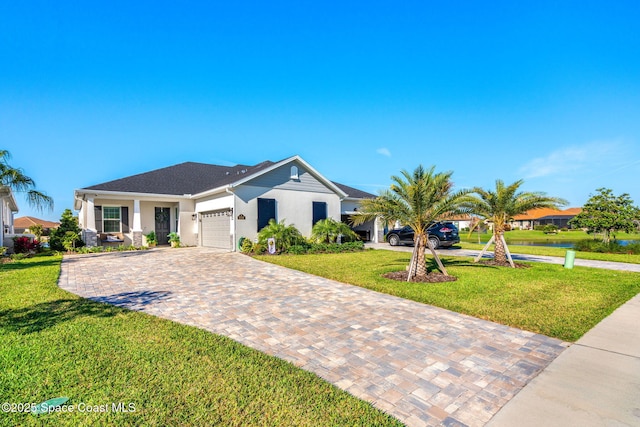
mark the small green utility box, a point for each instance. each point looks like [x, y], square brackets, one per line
[569, 258]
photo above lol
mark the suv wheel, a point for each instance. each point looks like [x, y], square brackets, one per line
[433, 242]
[394, 240]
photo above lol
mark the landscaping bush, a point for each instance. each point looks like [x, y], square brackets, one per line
[329, 231]
[297, 249]
[246, 245]
[352, 246]
[322, 248]
[612, 247]
[259, 248]
[285, 236]
[68, 223]
[24, 245]
[632, 248]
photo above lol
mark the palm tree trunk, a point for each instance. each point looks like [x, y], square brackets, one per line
[499, 254]
[418, 265]
[421, 265]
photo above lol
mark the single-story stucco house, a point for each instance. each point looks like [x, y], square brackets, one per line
[8, 208]
[23, 223]
[544, 216]
[214, 206]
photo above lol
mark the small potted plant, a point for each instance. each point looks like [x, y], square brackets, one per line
[174, 239]
[152, 240]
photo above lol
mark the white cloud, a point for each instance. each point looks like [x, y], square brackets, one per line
[568, 160]
[384, 152]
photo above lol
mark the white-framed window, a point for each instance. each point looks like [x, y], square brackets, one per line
[111, 219]
[294, 172]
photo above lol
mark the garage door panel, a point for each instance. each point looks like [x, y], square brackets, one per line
[216, 229]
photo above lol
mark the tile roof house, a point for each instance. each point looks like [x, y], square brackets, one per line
[543, 216]
[8, 207]
[22, 224]
[213, 205]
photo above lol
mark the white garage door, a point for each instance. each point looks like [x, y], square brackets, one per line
[216, 229]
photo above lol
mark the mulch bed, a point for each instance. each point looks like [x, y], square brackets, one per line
[493, 263]
[433, 277]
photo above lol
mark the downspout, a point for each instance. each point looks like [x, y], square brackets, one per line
[233, 220]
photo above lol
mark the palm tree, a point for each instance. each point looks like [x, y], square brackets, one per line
[285, 235]
[500, 205]
[414, 199]
[15, 179]
[327, 231]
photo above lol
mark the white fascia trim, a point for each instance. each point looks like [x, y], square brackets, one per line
[82, 194]
[314, 172]
[223, 189]
[7, 193]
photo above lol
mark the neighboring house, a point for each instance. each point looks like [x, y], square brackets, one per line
[461, 221]
[544, 216]
[212, 205]
[8, 207]
[22, 224]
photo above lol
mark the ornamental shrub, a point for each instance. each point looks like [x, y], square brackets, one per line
[67, 223]
[24, 245]
[246, 245]
[284, 235]
[612, 247]
[297, 250]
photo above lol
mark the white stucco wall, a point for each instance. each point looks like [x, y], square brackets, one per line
[295, 207]
[215, 202]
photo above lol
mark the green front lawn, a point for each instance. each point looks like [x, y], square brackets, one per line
[560, 252]
[545, 298]
[53, 343]
[541, 236]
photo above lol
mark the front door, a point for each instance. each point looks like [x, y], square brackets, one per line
[163, 225]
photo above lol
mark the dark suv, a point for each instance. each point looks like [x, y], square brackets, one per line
[441, 234]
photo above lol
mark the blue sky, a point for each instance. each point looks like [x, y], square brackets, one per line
[545, 91]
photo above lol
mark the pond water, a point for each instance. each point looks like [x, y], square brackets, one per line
[554, 244]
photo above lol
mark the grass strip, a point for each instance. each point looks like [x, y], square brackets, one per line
[559, 252]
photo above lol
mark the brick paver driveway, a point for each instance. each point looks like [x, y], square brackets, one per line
[424, 365]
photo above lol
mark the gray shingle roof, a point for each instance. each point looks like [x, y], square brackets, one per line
[354, 192]
[184, 178]
[193, 178]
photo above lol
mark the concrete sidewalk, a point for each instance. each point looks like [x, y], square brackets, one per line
[595, 382]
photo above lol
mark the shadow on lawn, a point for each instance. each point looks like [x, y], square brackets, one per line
[432, 265]
[45, 315]
[15, 266]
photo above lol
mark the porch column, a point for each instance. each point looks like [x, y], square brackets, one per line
[376, 230]
[137, 224]
[90, 233]
[91, 215]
